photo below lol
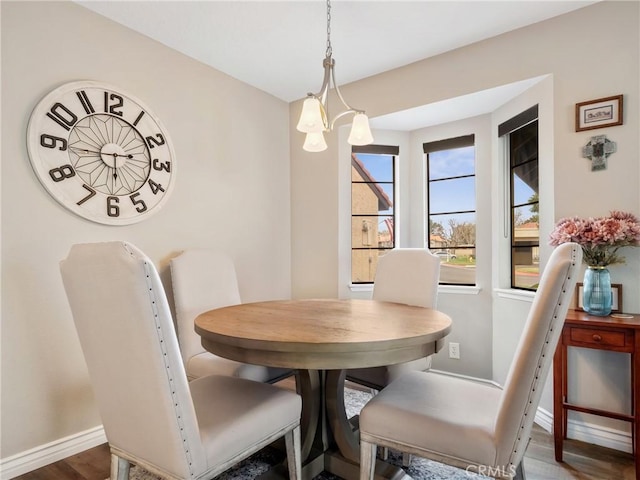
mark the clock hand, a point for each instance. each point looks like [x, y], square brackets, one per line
[84, 150]
[115, 165]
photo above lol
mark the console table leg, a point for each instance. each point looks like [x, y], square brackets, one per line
[559, 413]
[635, 399]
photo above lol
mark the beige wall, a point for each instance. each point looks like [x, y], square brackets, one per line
[237, 187]
[232, 192]
[580, 66]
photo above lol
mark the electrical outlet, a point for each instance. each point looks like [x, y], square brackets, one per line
[454, 350]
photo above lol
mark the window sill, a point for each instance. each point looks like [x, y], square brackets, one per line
[514, 294]
[361, 287]
[460, 290]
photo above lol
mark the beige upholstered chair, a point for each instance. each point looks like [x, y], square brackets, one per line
[409, 276]
[152, 416]
[471, 424]
[204, 279]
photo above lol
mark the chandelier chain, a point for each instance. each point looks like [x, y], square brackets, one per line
[329, 49]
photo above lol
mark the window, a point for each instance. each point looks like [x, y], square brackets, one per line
[451, 207]
[372, 208]
[521, 134]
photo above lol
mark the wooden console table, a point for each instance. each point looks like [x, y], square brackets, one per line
[601, 333]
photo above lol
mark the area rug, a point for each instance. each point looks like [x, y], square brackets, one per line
[259, 463]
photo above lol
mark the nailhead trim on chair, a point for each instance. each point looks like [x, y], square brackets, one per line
[518, 441]
[160, 333]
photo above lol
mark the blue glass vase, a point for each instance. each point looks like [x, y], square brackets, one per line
[596, 296]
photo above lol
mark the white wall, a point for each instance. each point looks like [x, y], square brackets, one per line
[507, 302]
[468, 306]
[232, 192]
[582, 66]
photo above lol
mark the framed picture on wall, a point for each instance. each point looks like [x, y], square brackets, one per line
[616, 297]
[600, 113]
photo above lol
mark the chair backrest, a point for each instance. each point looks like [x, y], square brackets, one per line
[408, 275]
[534, 353]
[128, 338]
[202, 279]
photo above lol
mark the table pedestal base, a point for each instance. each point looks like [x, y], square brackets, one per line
[335, 463]
[330, 441]
[327, 430]
[340, 466]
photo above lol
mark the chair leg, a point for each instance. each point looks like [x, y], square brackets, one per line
[294, 456]
[383, 453]
[520, 471]
[367, 460]
[119, 468]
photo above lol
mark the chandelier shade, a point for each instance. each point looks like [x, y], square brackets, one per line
[360, 131]
[314, 118]
[314, 142]
[311, 118]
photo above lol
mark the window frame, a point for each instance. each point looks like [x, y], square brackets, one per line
[505, 130]
[438, 146]
[393, 152]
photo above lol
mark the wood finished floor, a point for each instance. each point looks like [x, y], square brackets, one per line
[582, 461]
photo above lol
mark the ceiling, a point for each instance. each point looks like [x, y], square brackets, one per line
[278, 46]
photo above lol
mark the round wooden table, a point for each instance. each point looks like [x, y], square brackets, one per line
[321, 339]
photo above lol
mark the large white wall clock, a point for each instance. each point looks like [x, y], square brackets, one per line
[101, 153]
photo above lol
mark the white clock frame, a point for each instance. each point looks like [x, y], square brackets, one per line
[101, 153]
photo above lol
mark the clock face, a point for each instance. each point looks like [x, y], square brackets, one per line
[101, 153]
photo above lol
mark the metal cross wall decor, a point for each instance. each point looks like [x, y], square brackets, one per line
[598, 150]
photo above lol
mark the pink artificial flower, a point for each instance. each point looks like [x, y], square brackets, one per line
[599, 237]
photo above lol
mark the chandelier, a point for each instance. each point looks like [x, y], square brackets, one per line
[314, 118]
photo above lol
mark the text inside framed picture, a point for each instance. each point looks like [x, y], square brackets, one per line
[600, 113]
[616, 297]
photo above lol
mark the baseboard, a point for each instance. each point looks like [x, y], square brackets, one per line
[588, 432]
[38, 457]
[544, 418]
